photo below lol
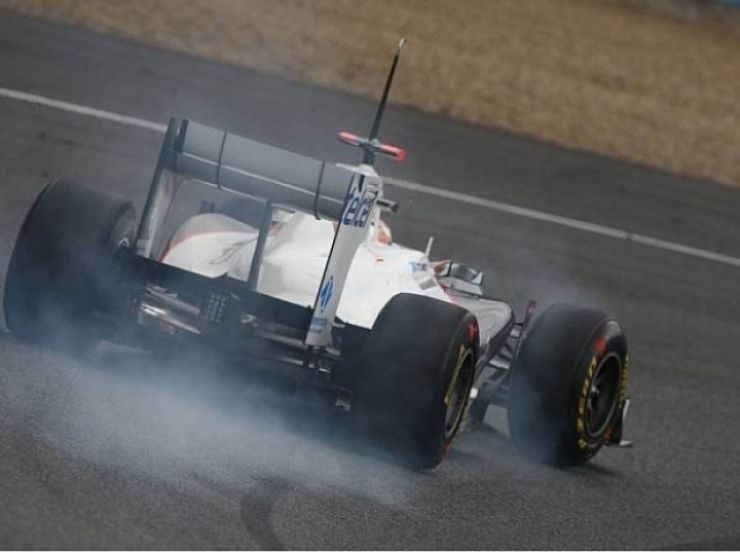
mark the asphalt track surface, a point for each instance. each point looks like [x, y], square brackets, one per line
[118, 450]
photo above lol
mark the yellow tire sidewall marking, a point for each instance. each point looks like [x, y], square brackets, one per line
[462, 356]
[582, 398]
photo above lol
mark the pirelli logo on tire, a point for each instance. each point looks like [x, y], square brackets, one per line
[582, 400]
[623, 382]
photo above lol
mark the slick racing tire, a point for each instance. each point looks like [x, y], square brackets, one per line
[417, 369]
[568, 385]
[62, 272]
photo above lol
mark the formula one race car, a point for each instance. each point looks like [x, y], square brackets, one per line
[283, 260]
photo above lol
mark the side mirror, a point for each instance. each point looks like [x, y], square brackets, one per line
[459, 277]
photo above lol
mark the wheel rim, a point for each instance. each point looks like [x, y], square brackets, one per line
[458, 397]
[603, 395]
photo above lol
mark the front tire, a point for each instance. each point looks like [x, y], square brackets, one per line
[417, 369]
[568, 385]
[62, 273]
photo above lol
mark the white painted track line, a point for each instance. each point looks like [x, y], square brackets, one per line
[81, 109]
[569, 222]
[460, 197]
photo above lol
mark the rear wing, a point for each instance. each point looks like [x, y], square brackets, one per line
[219, 158]
[260, 170]
[348, 195]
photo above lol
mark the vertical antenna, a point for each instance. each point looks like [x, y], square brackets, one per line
[369, 156]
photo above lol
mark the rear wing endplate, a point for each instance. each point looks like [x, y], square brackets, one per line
[250, 167]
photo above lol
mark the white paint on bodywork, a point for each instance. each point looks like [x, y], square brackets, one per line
[294, 259]
[211, 245]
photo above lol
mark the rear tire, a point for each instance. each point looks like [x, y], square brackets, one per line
[417, 369]
[568, 385]
[62, 272]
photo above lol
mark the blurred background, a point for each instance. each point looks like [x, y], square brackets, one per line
[651, 81]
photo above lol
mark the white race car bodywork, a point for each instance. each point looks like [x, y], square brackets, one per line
[281, 262]
[294, 260]
[318, 245]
